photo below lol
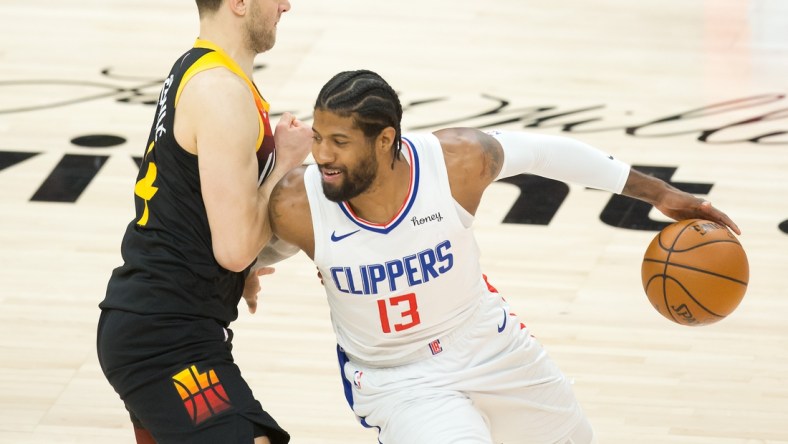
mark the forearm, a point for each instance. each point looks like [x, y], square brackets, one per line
[237, 238]
[672, 202]
[241, 229]
[646, 188]
[276, 250]
[263, 201]
[263, 232]
[566, 159]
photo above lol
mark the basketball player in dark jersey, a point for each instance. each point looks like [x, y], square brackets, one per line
[201, 219]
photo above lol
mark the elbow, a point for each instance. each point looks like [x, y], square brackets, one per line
[233, 259]
[233, 264]
[236, 266]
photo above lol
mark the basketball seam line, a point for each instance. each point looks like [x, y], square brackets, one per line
[665, 296]
[692, 297]
[687, 267]
[665, 268]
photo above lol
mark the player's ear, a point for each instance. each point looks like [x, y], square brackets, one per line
[238, 7]
[385, 139]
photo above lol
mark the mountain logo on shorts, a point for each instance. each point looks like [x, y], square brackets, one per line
[202, 394]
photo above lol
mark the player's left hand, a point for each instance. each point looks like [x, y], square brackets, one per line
[252, 286]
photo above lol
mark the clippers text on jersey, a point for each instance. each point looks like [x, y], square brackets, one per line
[413, 269]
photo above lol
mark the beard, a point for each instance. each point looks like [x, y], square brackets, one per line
[355, 182]
[260, 31]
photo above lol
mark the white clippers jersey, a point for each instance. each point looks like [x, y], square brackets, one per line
[395, 288]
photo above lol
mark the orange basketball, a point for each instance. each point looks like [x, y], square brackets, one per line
[695, 272]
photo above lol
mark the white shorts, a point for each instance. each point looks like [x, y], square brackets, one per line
[491, 382]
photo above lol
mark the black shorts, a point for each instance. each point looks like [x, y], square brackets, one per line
[177, 378]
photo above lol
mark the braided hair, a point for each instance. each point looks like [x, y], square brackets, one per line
[366, 97]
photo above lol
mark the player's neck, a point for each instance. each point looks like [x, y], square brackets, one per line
[232, 44]
[385, 197]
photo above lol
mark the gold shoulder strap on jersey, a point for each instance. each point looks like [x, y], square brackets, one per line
[215, 59]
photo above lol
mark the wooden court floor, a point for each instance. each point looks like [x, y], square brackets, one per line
[692, 90]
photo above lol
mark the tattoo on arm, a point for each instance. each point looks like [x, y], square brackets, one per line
[273, 206]
[493, 155]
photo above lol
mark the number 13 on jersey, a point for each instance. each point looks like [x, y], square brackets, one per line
[402, 309]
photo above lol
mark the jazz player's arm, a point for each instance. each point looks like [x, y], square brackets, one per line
[288, 209]
[475, 159]
[291, 224]
[216, 119]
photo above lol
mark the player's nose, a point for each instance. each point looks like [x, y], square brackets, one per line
[322, 152]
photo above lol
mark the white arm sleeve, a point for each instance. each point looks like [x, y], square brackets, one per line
[560, 158]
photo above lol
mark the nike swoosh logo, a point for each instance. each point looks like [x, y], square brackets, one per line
[501, 327]
[335, 238]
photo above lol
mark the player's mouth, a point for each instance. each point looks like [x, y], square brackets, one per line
[331, 174]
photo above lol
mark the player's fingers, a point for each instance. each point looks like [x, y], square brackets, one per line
[251, 301]
[731, 224]
[252, 304]
[286, 120]
[720, 216]
[265, 270]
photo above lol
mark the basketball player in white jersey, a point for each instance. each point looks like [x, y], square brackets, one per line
[428, 350]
